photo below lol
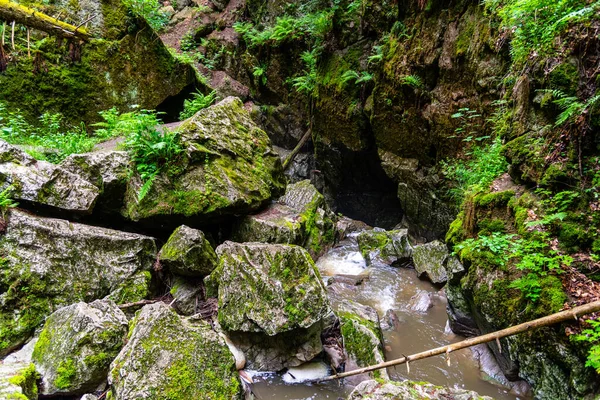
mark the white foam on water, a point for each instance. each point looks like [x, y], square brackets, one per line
[342, 263]
[306, 372]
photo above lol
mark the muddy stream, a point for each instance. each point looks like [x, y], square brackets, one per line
[419, 323]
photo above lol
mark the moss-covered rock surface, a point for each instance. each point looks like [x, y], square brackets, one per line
[188, 253]
[229, 168]
[387, 247]
[48, 263]
[76, 346]
[170, 357]
[408, 390]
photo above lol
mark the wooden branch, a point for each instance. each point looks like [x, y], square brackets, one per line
[10, 11]
[294, 152]
[137, 304]
[513, 330]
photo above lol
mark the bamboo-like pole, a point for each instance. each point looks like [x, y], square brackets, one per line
[513, 330]
[11, 11]
[294, 152]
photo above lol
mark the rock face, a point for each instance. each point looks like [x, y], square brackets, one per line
[107, 170]
[42, 183]
[299, 217]
[167, 356]
[18, 377]
[230, 169]
[387, 247]
[77, 345]
[407, 390]
[57, 262]
[429, 260]
[186, 292]
[272, 302]
[188, 253]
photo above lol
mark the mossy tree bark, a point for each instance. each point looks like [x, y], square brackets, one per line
[10, 11]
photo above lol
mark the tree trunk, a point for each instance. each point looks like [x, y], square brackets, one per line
[10, 11]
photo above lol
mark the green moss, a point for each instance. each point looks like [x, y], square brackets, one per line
[456, 233]
[27, 380]
[574, 237]
[66, 374]
[374, 240]
[487, 226]
[565, 76]
[133, 289]
[360, 344]
[495, 199]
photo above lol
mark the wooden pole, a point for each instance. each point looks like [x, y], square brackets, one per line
[301, 143]
[11, 11]
[513, 330]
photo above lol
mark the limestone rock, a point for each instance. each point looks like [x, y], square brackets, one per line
[230, 169]
[387, 247]
[363, 340]
[57, 263]
[429, 260]
[269, 288]
[272, 302]
[188, 253]
[107, 170]
[77, 345]
[408, 390]
[299, 217]
[186, 292]
[18, 377]
[40, 182]
[168, 356]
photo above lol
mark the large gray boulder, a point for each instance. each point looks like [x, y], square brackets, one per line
[49, 263]
[229, 168]
[387, 247]
[168, 356]
[430, 261]
[272, 302]
[77, 345]
[408, 390]
[188, 253]
[299, 217]
[107, 170]
[43, 183]
[18, 377]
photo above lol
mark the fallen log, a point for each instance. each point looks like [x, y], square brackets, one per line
[296, 150]
[562, 316]
[10, 11]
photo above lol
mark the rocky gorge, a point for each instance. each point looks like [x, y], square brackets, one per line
[316, 162]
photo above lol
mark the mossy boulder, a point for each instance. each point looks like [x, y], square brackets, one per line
[267, 292]
[187, 293]
[188, 253]
[299, 217]
[77, 345]
[387, 247]
[408, 390]
[168, 356]
[107, 170]
[18, 376]
[48, 263]
[229, 168]
[429, 260]
[363, 339]
[45, 184]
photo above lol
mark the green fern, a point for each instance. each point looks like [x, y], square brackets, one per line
[6, 200]
[412, 80]
[197, 103]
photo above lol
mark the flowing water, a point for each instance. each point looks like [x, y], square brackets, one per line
[417, 322]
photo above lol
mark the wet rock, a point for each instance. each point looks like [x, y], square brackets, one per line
[387, 247]
[408, 390]
[18, 377]
[459, 312]
[42, 183]
[299, 217]
[229, 169]
[390, 321]
[346, 226]
[429, 260]
[454, 269]
[272, 302]
[188, 253]
[187, 294]
[89, 396]
[421, 302]
[77, 345]
[169, 356]
[300, 168]
[363, 340]
[57, 263]
[107, 170]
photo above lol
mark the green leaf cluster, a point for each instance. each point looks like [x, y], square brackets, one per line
[198, 102]
[591, 335]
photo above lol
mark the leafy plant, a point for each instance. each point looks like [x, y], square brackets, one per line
[377, 56]
[356, 77]
[6, 200]
[260, 73]
[412, 80]
[307, 83]
[197, 103]
[591, 335]
[150, 10]
[572, 108]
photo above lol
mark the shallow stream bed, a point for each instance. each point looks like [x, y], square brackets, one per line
[417, 322]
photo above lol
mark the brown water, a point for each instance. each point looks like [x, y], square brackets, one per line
[387, 288]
